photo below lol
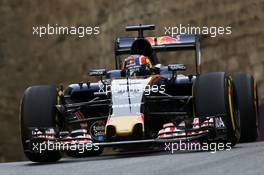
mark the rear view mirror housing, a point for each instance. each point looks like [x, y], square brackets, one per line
[97, 72]
[176, 67]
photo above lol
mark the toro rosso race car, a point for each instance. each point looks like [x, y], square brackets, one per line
[140, 102]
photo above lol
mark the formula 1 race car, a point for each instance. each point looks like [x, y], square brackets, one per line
[140, 102]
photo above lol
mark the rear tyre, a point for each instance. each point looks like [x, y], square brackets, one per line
[214, 94]
[247, 95]
[37, 111]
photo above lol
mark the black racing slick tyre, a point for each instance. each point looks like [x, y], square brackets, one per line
[215, 95]
[247, 95]
[37, 111]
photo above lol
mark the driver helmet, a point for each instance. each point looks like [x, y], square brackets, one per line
[137, 65]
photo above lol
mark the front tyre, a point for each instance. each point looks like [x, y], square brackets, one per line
[214, 94]
[38, 111]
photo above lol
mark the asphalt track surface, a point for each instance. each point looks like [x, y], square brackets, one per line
[247, 158]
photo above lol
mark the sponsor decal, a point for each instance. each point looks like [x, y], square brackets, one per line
[97, 130]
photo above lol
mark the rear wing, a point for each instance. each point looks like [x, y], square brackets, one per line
[163, 43]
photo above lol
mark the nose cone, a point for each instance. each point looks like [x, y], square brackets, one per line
[124, 125]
